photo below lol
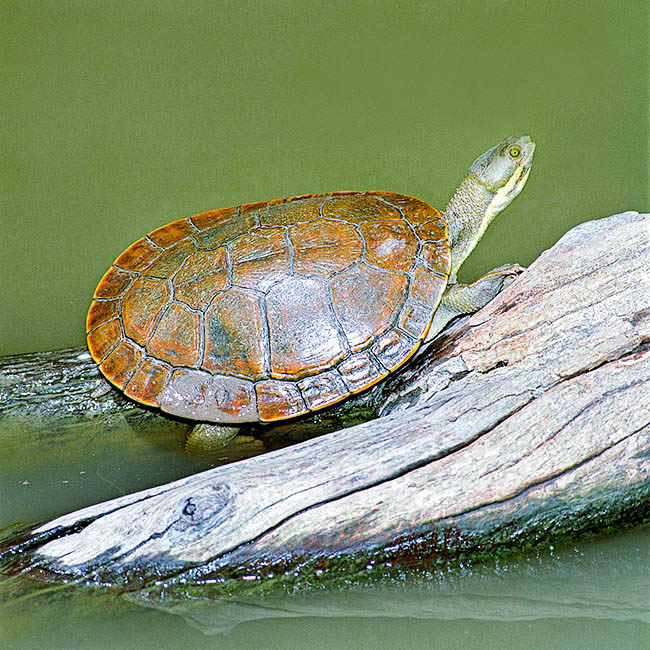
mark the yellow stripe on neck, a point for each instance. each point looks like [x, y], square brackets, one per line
[501, 198]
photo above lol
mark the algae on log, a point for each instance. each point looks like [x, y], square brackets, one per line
[528, 426]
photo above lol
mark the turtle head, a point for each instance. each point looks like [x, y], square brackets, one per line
[492, 182]
[504, 169]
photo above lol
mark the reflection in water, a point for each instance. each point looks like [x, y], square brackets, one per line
[607, 579]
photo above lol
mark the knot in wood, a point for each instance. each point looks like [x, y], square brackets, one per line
[189, 509]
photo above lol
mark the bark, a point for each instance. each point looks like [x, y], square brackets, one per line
[524, 425]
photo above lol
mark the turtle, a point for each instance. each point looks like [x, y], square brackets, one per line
[266, 311]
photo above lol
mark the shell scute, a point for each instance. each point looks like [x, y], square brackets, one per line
[366, 302]
[138, 256]
[176, 337]
[225, 229]
[415, 211]
[235, 335]
[148, 381]
[394, 348]
[433, 230]
[121, 363]
[325, 247]
[323, 389]
[435, 255]
[213, 218]
[199, 395]
[357, 208]
[268, 310]
[428, 286]
[260, 258]
[301, 346]
[415, 319]
[142, 306]
[360, 370]
[102, 311]
[278, 400]
[172, 233]
[171, 260]
[285, 212]
[114, 283]
[104, 338]
[204, 274]
[390, 245]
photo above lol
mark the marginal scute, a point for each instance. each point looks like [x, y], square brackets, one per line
[172, 233]
[213, 218]
[323, 389]
[142, 306]
[433, 230]
[203, 274]
[176, 338]
[227, 227]
[198, 395]
[358, 207]
[415, 211]
[360, 370]
[102, 311]
[114, 283]
[289, 211]
[427, 286]
[366, 302]
[148, 381]
[137, 256]
[170, 261]
[324, 247]
[103, 338]
[277, 400]
[393, 349]
[235, 335]
[415, 319]
[301, 345]
[436, 256]
[121, 362]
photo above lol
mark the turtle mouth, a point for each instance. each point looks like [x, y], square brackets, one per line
[528, 158]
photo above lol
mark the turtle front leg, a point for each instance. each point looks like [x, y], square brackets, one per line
[206, 438]
[220, 442]
[461, 299]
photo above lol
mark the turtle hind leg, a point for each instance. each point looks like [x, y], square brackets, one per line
[461, 299]
[221, 443]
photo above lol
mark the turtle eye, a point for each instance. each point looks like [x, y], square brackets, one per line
[514, 152]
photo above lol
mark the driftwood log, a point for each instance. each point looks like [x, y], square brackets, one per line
[527, 425]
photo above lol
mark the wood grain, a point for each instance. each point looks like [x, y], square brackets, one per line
[523, 425]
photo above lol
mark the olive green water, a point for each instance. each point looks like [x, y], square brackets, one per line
[119, 117]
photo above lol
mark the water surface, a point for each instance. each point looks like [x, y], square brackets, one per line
[120, 117]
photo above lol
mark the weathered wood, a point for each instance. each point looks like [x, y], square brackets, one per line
[57, 398]
[60, 397]
[529, 426]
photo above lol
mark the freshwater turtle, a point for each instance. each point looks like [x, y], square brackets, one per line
[269, 310]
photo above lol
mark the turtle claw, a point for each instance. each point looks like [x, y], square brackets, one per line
[510, 273]
[507, 269]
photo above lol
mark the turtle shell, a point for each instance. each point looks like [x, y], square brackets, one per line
[269, 310]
